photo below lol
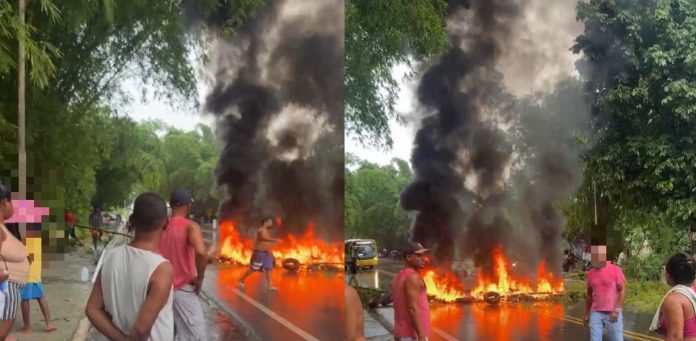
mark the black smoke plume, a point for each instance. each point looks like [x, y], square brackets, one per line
[490, 167]
[278, 99]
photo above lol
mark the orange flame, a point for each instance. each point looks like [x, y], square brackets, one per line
[307, 249]
[448, 287]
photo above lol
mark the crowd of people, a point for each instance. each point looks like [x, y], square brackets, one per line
[149, 289]
[20, 277]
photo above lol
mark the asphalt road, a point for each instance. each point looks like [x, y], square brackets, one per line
[307, 306]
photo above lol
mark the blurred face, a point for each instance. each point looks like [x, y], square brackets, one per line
[417, 260]
[599, 255]
[6, 208]
[268, 223]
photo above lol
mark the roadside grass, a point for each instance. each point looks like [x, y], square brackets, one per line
[641, 295]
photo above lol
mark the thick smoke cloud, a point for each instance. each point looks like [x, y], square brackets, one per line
[278, 99]
[489, 166]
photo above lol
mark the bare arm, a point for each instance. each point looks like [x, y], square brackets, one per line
[265, 236]
[413, 286]
[195, 239]
[674, 318]
[621, 289]
[158, 291]
[354, 319]
[588, 303]
[96, 313]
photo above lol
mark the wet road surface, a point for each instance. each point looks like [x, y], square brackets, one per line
[514, 321]
[307, 306]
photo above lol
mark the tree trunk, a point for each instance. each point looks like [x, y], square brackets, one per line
[21, 109]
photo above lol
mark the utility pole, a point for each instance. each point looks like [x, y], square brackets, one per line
[21, 109]
[594, 197]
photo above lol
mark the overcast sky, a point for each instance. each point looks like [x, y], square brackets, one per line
[157, 109]
[402, 135]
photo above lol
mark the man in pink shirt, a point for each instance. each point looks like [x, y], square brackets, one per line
[182, 244]
[411, 310]
[606, 290]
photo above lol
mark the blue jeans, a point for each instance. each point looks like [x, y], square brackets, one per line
[598, 320]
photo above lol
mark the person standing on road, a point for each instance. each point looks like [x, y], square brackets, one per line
[132, 296]
[606, 290]
[34, 290]
[411, 310]
[182, 244]
[70, 222]
[14, 265]
[261, 258]
[675, 318]
[352, 266]
[95, 222]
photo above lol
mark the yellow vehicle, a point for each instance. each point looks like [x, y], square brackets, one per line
[365, 251]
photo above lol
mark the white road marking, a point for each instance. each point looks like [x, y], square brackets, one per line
[303, 334]
[446, 336]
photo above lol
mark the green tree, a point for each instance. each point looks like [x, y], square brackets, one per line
[639, 62]
[372, 207]
[379, 35]
[78, 53]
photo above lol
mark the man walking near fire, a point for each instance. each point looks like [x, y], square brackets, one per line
[606, 290]
[411, 310]
[181, 243]
[261, 258]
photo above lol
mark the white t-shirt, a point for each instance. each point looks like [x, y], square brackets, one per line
[125, 277]
[622, 259]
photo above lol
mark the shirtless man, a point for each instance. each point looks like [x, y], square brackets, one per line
[262, 259]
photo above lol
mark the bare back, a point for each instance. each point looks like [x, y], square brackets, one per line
[264, 241]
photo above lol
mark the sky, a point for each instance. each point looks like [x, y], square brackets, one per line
[402, 134]
[159, 109]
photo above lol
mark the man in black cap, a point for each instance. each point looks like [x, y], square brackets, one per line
[411, 310]
[182, 244]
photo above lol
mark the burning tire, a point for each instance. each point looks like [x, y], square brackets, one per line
[291, 264]
[383, 300]
[492, 297]
[465, 300]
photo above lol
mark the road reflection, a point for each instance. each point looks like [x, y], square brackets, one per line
[312, 301]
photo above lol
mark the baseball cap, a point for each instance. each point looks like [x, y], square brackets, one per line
[181, 197]
[413, 247]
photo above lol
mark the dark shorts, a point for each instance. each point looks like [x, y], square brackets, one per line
[261, 261]
[352, 267]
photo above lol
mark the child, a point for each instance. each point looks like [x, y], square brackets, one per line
[34, 289]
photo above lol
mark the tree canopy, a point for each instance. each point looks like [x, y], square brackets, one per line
[81, 149]
[379, 35]
[372, 209]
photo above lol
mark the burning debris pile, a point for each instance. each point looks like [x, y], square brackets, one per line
[490, 166]
[278, 101]
[503, 284]
[295, 252]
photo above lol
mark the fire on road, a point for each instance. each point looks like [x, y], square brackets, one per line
[540, 320]
[307, 306]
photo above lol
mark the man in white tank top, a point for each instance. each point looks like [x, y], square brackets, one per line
[132, 296]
